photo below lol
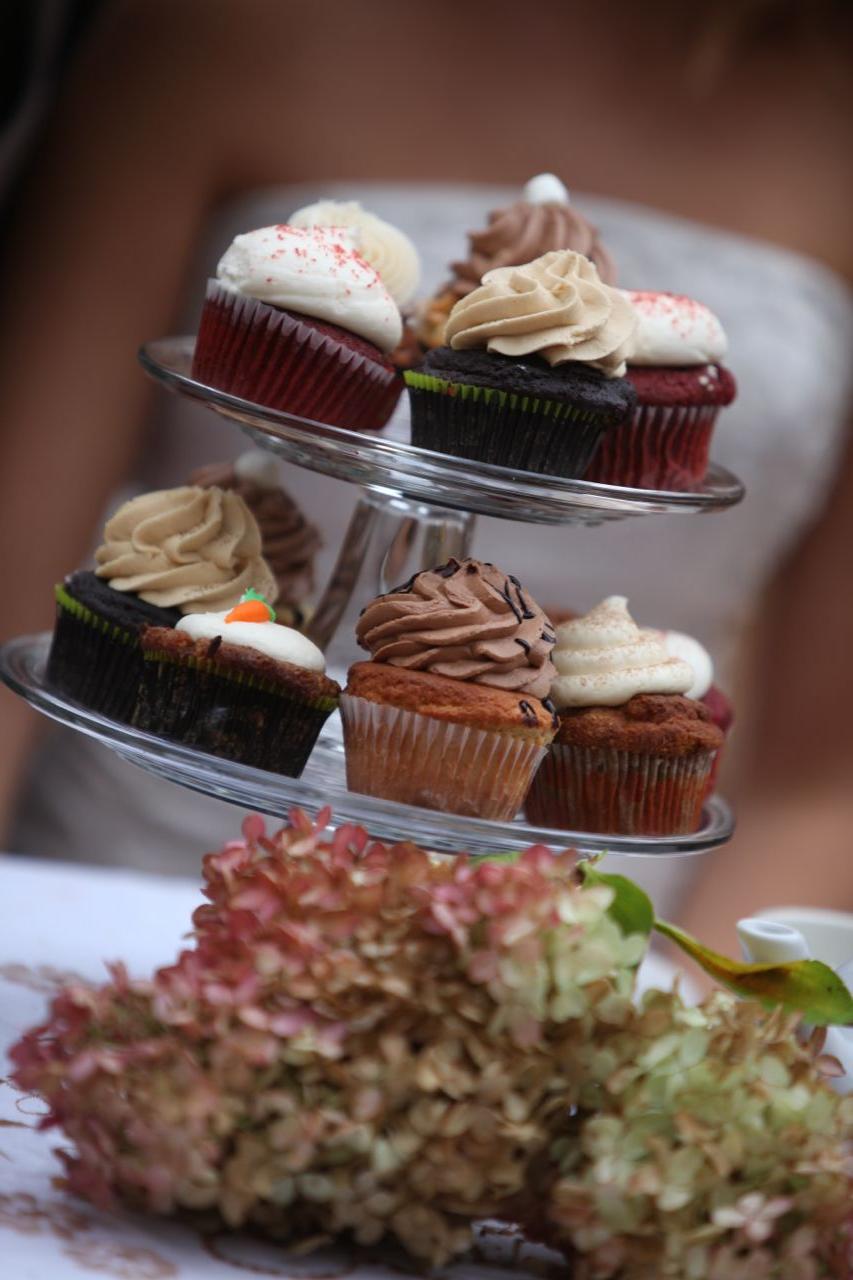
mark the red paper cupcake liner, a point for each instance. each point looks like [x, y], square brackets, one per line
[268, 356]
[616, 792]
[401, 755]
[659, 447]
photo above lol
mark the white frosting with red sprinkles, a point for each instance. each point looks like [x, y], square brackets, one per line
[674, 330]
[317, 272]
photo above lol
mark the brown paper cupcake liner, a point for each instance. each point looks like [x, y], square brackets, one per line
[659, 447]
[92, 660]
[602, 789]
[260, 353]
[414, 759]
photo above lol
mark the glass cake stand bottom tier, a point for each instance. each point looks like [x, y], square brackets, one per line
[323, 782]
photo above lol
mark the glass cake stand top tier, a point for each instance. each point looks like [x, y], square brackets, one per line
[389, 464]
[22, 668]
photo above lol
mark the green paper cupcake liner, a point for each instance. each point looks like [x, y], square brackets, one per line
[228, 712]
[488, 424]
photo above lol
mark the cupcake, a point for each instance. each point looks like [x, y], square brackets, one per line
[289, 541]
[451, 711]
[703, 689]
[542, 221]
[164, 554]
[236, 684]
[674, 367]
[532, 376]
[296, 320]
[632, 754]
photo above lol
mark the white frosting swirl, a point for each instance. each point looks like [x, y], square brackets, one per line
[386, 248]
[270, 638]
[603, 659]
[678, 645]
[315, 271]
[674, 330]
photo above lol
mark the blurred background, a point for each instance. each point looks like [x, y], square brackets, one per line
[709, 145]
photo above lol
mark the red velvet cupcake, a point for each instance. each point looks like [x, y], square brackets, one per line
[296, 320]
[681, 386]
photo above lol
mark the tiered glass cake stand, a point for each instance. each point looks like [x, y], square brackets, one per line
[416, 509]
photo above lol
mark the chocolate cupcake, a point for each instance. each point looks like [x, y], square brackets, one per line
[289, 541]
[449, 712]
[298, 321]
[632, 755]
[531, 377]
[674, 367]
[542, 221]
[236, 684]
[164, 554]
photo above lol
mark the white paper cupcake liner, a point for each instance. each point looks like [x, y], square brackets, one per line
[415, 759]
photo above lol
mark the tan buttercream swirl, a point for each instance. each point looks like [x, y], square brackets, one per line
[189, 548]
[555, 307]
[465, 620]
[289, 541]
[524, 231]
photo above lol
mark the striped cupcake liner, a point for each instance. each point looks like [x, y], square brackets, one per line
[415, 759]
[92, 660]
[602, 789]
[260, 353]
[660, 447]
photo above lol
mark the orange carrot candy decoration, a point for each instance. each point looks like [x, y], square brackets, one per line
[252, 608]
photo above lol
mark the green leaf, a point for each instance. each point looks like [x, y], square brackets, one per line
[631, 908]
[801, 986]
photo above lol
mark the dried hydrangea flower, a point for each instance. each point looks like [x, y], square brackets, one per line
[716, 1152]
[361, 1040]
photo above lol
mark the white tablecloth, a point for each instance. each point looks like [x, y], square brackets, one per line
[58, 919]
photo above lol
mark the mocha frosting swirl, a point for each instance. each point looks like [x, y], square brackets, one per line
[555, 307]
[190, 548]
[465, 620]
[524, 231]
[289, 542]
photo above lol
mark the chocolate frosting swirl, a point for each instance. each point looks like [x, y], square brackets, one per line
[191, 548]
[466, 620]
[524, 231]
[289, 541]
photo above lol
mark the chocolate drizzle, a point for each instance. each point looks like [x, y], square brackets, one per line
[464, 620]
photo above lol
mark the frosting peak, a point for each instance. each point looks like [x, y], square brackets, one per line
[187, 548]
[674, 330]
[603, 659]
[384, 246]
[555, 307]
[317, 272]
[465, 620]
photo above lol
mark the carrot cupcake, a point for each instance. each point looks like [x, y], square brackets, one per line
[236, 684]
[632, 754]
[451, 711]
